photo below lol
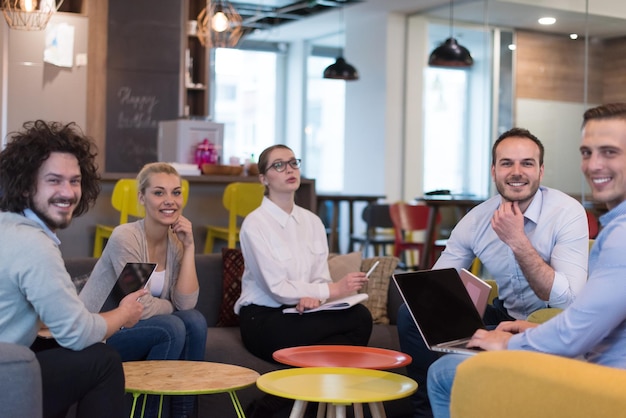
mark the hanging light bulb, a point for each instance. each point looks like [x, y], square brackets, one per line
[450, 53]
[28, 5]
[219, 25]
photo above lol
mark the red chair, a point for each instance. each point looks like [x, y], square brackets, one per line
[594, 226]
[407, 220]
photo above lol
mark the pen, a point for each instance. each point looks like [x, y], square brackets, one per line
[371, 270]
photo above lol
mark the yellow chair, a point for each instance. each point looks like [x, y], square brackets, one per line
[239, 199]
[126, 201]
[522, 384]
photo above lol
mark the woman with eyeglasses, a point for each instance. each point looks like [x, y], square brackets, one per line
[286, 264]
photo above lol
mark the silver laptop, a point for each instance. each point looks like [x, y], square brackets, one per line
[478, 289]
[441, 307]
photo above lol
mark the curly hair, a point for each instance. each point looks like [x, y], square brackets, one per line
[27, 150]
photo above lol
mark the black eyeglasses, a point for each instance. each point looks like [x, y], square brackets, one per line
[280, 166]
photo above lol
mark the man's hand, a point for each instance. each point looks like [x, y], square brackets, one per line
[515, 327]
[132, 307]
[490, 340]
[508, 224]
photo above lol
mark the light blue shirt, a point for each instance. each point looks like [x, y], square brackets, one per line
[555, 224]
[594, 326]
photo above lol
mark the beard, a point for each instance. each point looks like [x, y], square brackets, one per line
[505, 191]
[45, 216]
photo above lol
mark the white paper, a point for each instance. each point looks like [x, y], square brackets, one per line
[59, 45]
[337, 304]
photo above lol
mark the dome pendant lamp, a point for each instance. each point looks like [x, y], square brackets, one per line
[341, 70]
[450, 53]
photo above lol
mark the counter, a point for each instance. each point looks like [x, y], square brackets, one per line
[204, 207]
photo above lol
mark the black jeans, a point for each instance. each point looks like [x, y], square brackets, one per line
[92, 378]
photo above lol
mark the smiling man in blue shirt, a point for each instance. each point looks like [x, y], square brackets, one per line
[532, 239]
[594, 325]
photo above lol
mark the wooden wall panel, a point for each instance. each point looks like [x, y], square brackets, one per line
[552, 67]
[615, 70]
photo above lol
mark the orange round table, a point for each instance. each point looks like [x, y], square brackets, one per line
[342, 356]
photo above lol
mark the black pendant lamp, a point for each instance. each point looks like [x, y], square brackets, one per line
[341, 70]
[450, 53]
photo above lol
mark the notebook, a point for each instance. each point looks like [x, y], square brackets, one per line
[478, 289]
[441, 308]
[133, 277]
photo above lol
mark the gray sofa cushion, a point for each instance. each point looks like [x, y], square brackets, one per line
[20, 382]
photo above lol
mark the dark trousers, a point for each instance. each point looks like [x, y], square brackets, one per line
[265, 330]
[411, 343]
[92, 378]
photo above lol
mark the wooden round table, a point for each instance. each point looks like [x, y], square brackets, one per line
[337, 387]
[177, 377]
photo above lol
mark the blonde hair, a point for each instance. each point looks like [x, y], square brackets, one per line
[143, 178]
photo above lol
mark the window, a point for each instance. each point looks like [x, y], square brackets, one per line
[245, 100]
[324, 129]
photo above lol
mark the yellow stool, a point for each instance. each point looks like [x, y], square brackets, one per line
[239, 199]
[336, 387]
[126, 201]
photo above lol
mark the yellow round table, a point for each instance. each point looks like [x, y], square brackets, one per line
[337, 387]
[178, 377]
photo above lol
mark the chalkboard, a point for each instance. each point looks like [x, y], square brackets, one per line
[143, 78]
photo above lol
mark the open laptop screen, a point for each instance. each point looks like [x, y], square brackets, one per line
[440, 305]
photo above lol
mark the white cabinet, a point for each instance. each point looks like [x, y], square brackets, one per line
[178, 139]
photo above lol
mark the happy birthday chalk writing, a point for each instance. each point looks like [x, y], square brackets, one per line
[136, 111]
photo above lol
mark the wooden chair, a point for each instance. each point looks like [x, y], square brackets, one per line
[407, 221]
[377, 220]
[239, 199]
[125, 200]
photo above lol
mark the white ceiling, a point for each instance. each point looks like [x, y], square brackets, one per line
[522, 14]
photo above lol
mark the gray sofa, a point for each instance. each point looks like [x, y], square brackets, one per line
[20, 382]
[224, 343]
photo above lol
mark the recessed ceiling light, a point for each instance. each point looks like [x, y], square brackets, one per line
[573, 36]
[547, 21]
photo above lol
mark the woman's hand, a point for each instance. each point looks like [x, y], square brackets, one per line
[307, 303]
[183, 230]
[350, 284]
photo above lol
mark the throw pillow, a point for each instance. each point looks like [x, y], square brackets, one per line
[377, 286]
[340, 265]
[232, 270]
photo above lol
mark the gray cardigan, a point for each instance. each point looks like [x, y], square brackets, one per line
[128, 244]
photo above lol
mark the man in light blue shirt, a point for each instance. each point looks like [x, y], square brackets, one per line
[532, 239]
[594, 325]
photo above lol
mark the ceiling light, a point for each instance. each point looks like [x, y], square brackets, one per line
[29, 14]
[219, 25]
[450, 53]
[341, 70]
[573, 36]
[546, 21]
[512, 47]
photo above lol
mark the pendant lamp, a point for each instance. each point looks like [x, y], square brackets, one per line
[219, 25]
[29, 14]
[450, 53]
[341, 70]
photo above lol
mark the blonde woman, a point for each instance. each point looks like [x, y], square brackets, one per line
[170, 328]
